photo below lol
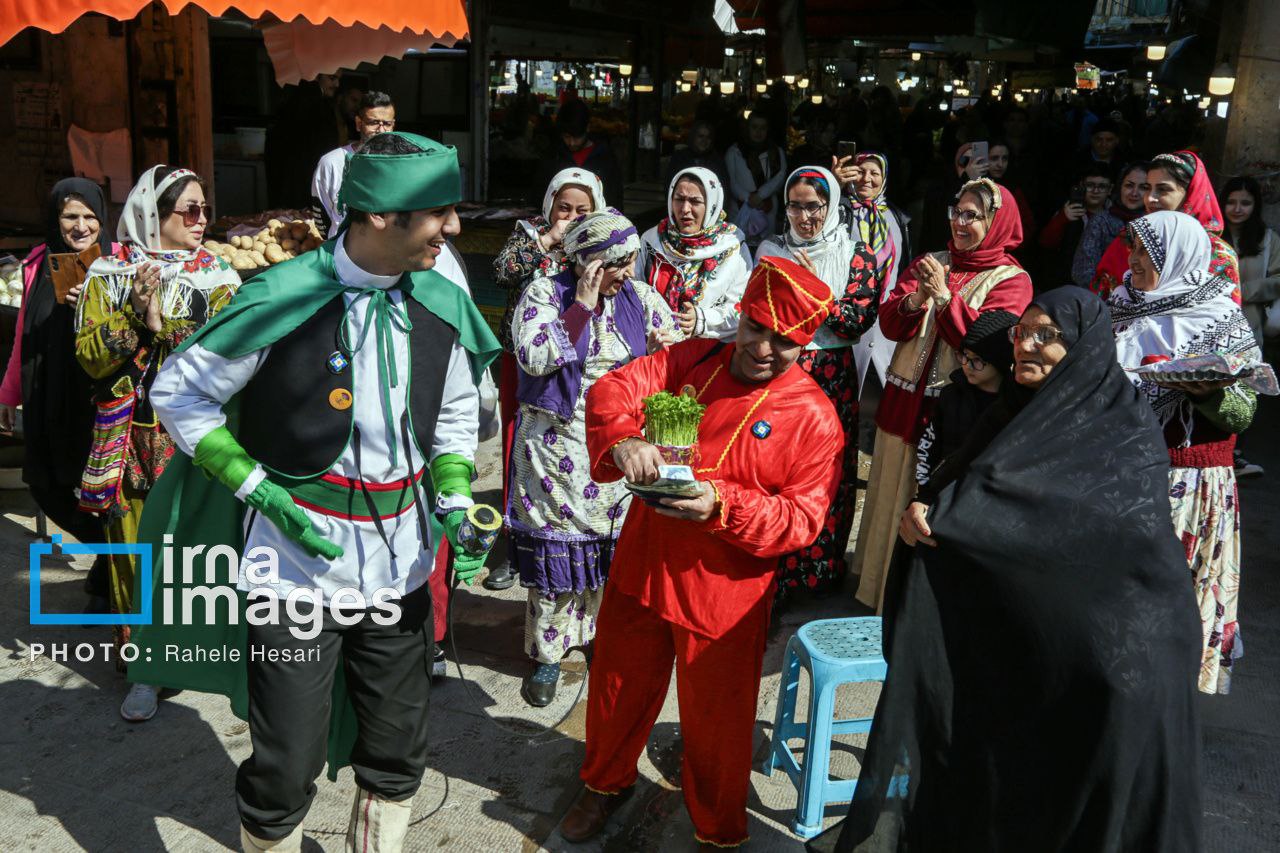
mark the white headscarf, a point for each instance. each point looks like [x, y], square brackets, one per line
[1190, 312]
[716, 239]
[578, 177]
[831, 251]
[183, 272]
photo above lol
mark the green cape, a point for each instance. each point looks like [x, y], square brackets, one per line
[196, 510]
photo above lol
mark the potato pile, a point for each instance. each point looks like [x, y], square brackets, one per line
[279, 241]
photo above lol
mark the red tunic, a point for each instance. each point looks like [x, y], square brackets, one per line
[906, 413]
[774, 491]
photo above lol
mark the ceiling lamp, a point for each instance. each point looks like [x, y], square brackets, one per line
[728, 51]
[817, 99]
[1019, 97]
[789, 79]
[726, 87]
[1204, 103]
[804, 83]
[947, 87]
[686, 86]
[746, 113]
[1155, 52]
[761, 88]
[643, 83]
[624, 69]
[1222, 80]
[537, 72]
[915, 56]
[759, 60]
[706, 90]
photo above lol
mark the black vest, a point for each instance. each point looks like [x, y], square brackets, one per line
[286, 420]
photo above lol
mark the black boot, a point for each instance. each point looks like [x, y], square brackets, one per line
[500, 578]
[539, 688]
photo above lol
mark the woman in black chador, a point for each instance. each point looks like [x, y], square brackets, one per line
[1042, 639]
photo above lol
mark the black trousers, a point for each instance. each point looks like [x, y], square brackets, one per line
[388, 676]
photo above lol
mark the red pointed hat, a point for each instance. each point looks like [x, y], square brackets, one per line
[787, 298]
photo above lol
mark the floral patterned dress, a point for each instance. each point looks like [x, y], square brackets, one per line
[822, 566]
[115, 347]
[563, 524]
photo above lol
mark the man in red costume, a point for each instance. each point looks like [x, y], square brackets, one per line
[692, 579]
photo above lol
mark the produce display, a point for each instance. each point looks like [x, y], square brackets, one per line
[278, 241]
[11, 289]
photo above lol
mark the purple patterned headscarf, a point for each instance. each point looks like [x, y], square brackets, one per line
[605, 235]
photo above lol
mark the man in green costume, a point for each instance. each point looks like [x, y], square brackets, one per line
[331, 415]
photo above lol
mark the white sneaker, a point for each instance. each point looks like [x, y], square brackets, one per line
[141, 703]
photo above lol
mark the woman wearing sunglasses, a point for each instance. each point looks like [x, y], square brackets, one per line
[138, 304]
[929, 312]
[570, 329]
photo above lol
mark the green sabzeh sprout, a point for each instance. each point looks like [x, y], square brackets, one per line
[672, 420]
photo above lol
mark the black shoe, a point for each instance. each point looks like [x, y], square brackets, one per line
[539, 688]
[500, 578]
[439, 666]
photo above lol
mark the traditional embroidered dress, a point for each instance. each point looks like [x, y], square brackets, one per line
[336, 392]
[848, 267]
[130, 447]
[706, 269]
[1201, 203]
[1192, 312]
[699, 593]
[522, 260]
[563, 522]
[984, 278]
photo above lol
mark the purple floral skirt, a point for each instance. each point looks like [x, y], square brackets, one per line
[554, 566]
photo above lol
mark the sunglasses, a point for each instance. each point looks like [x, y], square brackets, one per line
[191, 214]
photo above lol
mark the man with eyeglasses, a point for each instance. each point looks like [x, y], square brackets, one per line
[1060, 237]
[377, 114]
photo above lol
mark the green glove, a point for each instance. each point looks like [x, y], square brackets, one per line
[451, 475]
[222, 457]
[465, 564]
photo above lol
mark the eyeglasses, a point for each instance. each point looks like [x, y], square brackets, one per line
[974, 363]
[378, 124]
[191, 214]
[620, 262]
[1098, 188]
[964, 217]
[1041, 335]
[796, 210]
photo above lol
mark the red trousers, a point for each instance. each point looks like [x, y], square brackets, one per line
[717, 682]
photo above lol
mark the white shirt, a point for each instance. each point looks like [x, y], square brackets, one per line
[191, 388]
[327, 181]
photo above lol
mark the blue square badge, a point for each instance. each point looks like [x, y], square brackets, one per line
[37, 550]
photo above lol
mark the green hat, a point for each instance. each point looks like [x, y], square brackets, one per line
[385, 183]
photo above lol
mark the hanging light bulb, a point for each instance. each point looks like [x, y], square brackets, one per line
[947, 87]
[726, 87]
[1204, 103]
[624, 69]
[746, 113]
[761, 88]
[817, 99]
[789, 79]
[706, 90]
[1155, 52]
[1222, 80]
[915, 56]
[759, 60]
[643, 83]
[804, 83]
[728, 51]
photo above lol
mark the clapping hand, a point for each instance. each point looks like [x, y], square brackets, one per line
[933, 279]
[142, 295]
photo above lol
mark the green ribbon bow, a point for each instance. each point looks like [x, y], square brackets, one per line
[383, 315]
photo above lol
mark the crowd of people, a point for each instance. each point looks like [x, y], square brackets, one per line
[329, 409]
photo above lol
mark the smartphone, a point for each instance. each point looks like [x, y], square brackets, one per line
[979, 153]
[943, 257]
[1077, 195]
[845, 148]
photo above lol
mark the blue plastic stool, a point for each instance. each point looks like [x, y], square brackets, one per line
[835, 652]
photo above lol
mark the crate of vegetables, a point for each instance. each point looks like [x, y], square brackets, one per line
[276, 242]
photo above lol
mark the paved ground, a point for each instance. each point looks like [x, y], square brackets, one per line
[74, 776]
